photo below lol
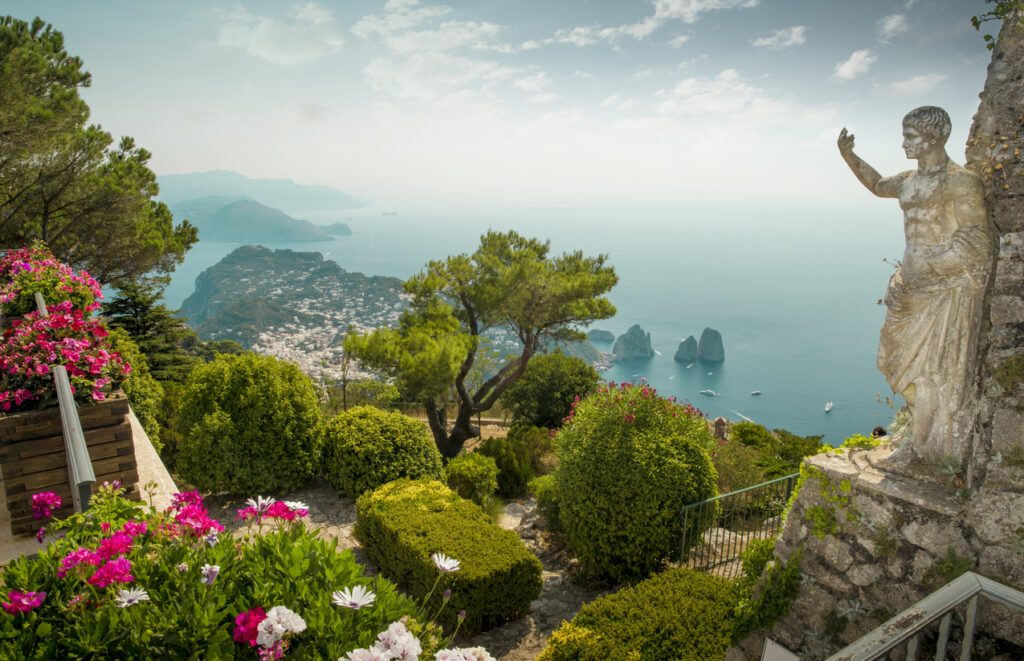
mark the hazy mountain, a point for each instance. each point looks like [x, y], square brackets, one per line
[295, 199]
[221, 218]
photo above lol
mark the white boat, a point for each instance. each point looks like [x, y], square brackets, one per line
[709, 393]
[689, 366]
[710, 373]
[671, 377]
[755, 392]
[828, 407]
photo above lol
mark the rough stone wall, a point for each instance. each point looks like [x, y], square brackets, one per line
[875, 543]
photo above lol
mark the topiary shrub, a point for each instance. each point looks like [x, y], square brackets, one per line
[401, 524]
[545, 490]
[538, 444]
[681, 615]
[629, 460]
[250, 424]
[513, 460]
[365, 447]
[473, 476]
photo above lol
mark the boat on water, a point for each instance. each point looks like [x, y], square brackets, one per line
[689, 366]
[828, 407]
[710, 373]
[709, 393]
[755, 392]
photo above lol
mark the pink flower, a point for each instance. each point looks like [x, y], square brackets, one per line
[41, 534]
[114, 571]
[23, 602]
[629, 417]
[133, 529]
[179, 500]
[247, 625]
[78, 557]
[119, 543]
[246, 513]
[195, 519]
[43, 504]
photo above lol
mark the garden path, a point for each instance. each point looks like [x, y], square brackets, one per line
[334, 516]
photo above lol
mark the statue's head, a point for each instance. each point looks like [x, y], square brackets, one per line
[931, 121]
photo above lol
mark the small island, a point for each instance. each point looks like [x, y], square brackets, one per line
[710, 348]
[634, 344]
[687, 351]
[598, 335]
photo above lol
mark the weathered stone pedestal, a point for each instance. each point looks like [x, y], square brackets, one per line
[875, 543]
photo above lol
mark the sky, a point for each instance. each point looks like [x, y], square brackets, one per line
[527, 102]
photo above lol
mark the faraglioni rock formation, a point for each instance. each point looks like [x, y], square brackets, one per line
[635, 343]
[710, 348]
[687, 351]
[598, 335]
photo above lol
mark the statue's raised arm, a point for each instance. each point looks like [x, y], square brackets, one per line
[865, 173]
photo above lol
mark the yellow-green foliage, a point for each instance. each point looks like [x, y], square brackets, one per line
[545, 489]
[1010, 372]
[365, 447]
[402, 523]
[629, 461]
[680, 615]
[473, 476]
[250, 424]
[765, 596]
[143, 391]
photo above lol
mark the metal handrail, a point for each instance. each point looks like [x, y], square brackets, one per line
[745, 514]
[80, 472]
[906, 627]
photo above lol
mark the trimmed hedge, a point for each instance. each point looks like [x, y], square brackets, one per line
[473, 476]
[545, 489]
[513, 460]
[403, 522]
[365, 447]
[680, 614]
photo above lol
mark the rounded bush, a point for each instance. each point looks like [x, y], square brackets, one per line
[250, 424]
[512, 457]
[544, 394]
[366, 447]
[545, 490]
[629, 460]
[473, 476]
[680, 614]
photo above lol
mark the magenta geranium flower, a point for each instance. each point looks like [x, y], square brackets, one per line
[247, 625]
[23, 602]
[80, 556]
[44, 503]
[114, 571]
[28, 270]
[195, 519]
[120, 543]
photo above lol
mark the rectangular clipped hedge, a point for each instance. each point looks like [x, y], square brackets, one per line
[402, 523]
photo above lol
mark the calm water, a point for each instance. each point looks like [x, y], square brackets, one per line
[794, 297]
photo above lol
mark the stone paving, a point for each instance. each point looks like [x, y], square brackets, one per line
[334, 516]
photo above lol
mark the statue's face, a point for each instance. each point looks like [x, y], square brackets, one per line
[915, 143]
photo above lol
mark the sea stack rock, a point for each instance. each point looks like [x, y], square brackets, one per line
[634, 344]
[598, 335]
[687, 351]
[710, 349]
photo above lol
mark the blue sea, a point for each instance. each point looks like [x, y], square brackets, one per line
[794, 293]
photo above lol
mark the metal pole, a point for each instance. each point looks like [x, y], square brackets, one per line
[80, 472]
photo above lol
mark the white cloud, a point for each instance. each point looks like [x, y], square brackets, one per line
[398, 15]
[687, 11]
[307, 35]
[858, 62]
[725, 94]
[619, 103]
[534, 83]
[543, 98]
[679, 40]
[783, 38]
[309, 110]
[891, 26]
[918, 84]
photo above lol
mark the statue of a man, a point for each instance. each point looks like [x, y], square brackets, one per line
[934, 300]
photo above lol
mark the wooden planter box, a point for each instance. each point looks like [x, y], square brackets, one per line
[6, 322]
[32, 457]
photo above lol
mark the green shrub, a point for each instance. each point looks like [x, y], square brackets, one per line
[403, 522]
[680, 615]
[545, 489]
[544, 394]
[250, 424]
[629, 460]
[143, 391]
[736, 465]
[365, 447]
[538, 444]
[781, 451]
[513, 459]
[473, 476]
[184, 618]
[765, 598]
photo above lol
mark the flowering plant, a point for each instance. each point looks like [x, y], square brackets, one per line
[127, 581]
[33, 346]
[34, 269]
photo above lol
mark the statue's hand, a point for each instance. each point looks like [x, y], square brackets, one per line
[845, 142]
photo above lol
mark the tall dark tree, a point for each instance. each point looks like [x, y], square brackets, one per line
[61, 181]
[509, 282]
[156, 330]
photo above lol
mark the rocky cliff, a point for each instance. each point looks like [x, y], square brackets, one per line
[710, 348]
[634, 344]
[687, 351]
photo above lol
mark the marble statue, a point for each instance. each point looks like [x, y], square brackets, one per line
[928, 341]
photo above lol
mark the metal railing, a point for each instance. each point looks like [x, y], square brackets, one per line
[80, 473]
[717, 530]
[908, 627]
